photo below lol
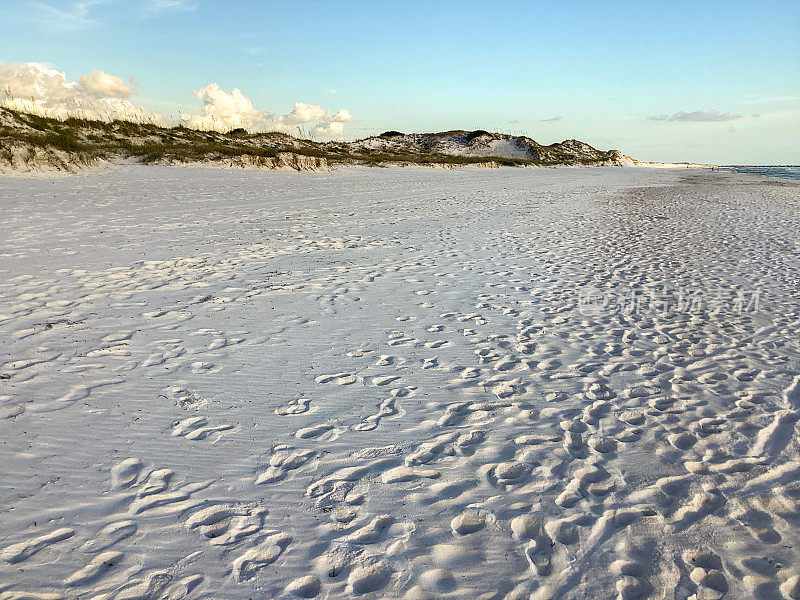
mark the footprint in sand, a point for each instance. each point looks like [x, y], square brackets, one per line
[283, 460]
[197, 428]
[294, 407]
[24, 550]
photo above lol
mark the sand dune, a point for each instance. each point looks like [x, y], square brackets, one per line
[399, 383]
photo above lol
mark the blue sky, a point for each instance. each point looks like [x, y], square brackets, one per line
[660, 81]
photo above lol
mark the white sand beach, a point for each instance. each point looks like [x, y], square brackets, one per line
[399, 383]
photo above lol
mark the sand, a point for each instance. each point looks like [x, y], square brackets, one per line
[399, 383]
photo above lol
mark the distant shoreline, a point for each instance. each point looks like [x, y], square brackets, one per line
[779, 172]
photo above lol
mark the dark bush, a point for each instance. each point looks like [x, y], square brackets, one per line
[477, 133]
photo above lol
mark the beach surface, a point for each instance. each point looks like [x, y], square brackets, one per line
[400, 383]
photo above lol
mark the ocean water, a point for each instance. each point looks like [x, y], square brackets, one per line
[782, 172]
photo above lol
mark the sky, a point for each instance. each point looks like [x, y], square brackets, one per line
[705, 81]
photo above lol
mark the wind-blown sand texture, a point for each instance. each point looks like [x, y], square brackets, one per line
[380, 383]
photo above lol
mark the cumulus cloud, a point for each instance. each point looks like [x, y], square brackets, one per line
[552, 119]
[342, 116]
[333, 125]
[39, 89]
[223, 111]
[305, 113]
[331, 129]
[696, 116]
[105, 85]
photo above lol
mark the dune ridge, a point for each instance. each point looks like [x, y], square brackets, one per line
[35, 144]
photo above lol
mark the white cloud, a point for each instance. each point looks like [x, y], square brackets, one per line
[168, 6]
[342, 116]
[73, 17]
[704, 115]
[333, 125]
[223, 111]
[332, 129]
[696, 116]
[304, 113]
[327, 125]
[39, 89]
[552, 119]
[60, 15]
[104, 84]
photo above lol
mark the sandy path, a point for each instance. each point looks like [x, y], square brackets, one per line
[382, 383]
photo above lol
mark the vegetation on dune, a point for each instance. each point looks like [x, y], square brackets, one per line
[150, 143]
[87, 140]
[474, 134]
[430, 158]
